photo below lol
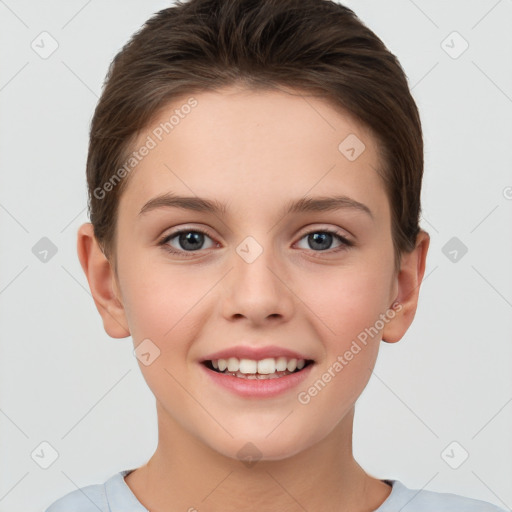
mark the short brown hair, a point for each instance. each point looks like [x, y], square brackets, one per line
[314, 46]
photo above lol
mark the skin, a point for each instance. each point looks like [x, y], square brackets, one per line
[254, 151]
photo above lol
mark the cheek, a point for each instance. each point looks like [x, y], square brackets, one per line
[352, 310]
[349, 312]
[159, 299]
[347, 301]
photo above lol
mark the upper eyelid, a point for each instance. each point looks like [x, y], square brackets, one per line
[172, 234]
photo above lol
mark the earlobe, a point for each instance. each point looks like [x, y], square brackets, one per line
[409, 280]
[101, 278]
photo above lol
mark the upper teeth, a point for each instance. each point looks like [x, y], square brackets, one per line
[264, 366]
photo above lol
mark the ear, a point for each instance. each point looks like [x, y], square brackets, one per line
[408, 281]
[102, 282]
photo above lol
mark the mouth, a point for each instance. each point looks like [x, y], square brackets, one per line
[254, 369]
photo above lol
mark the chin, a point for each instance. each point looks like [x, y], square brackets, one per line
[250, 449]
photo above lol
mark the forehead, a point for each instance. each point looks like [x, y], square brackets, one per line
[253, 145]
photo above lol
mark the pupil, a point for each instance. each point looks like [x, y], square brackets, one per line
[193, 238]
[321, 238]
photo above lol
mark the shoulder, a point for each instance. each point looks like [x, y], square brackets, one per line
[420, 500]
[87, 499]
[111, 496]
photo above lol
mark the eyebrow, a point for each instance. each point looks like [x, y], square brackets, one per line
[303, 205]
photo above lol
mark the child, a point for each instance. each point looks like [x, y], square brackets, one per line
[254, 130]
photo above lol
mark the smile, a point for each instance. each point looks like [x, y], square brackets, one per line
[268, 368]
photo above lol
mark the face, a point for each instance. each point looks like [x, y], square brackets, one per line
[256, 278]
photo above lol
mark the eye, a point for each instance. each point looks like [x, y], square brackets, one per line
[192, 240]
[321, 240]
[187, 240]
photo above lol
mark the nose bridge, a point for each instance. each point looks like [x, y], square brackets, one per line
[256, 286]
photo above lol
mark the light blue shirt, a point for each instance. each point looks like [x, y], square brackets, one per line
[115, 496]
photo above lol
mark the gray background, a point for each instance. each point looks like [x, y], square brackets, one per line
[65, 382]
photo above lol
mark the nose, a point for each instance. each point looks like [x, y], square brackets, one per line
[258, 289]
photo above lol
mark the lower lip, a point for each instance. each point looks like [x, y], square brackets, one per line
[258, 388]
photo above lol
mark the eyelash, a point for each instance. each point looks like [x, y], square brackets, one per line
[345, 244]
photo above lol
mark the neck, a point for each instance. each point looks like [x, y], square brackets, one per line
[184, 474]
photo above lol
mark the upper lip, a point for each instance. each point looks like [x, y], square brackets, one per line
[256, 353]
